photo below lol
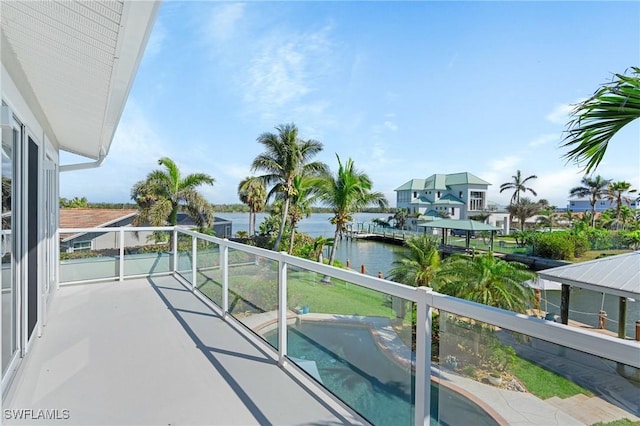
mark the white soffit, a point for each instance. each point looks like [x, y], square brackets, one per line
[80, 59]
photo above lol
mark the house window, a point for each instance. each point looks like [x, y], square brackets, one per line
[453, 211]
[476, 200]
[438, 194]
[82, 246]
[415, 194]
[460, 194]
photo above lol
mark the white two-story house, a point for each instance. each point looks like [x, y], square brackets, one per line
[456, 196]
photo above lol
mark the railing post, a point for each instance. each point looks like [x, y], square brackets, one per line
[282, 309]
[423, 359]
[194, 261]
[121, 278]
[175, 250]
[224, 270]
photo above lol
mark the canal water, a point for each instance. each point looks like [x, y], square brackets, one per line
[378, 257]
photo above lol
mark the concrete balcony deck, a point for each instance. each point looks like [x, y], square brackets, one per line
[149, 352]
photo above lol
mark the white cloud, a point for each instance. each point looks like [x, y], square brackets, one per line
[554, 186]
[544, 139]
[391, 125]
[505, 164]
[560, 113]
[224, 19]
[283, 72]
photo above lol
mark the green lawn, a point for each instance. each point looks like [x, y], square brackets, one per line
[258, 284]
[544, 383]
[338, 297]
[623, 422]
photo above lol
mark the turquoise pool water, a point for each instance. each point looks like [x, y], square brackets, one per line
[351, 366]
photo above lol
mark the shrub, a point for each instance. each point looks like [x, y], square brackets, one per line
[580, 244]
[632, 239]
[554, 245]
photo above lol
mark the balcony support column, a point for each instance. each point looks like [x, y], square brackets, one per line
[282, 309]
[121, 232]
[194, 262]
[224, 270]
[423, 358]
[174, 242]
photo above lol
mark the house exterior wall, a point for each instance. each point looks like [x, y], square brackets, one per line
[579, 206]
[408, 199]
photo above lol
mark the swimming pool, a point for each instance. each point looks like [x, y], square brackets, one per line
[351, 366]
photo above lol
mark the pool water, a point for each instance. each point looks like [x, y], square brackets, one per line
[351, 366]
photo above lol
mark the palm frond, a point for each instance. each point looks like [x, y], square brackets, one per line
[597, 120]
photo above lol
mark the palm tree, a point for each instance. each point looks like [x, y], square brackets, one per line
[594, 188]
[347, 192]
[488, 280]
[252, 192]
[627, 216]
[400, 218]
[165, 192]
[523, 210]
[547, 216]
[595, 121]
[419, 264]
[616, 194]
[285, 157]
[518, 185]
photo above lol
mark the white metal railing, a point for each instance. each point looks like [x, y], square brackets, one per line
[611, 348]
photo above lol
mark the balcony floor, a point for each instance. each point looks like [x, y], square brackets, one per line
[147, 351]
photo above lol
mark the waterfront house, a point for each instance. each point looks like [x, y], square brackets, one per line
[115, 218]
[456, 195]
[459, 196]
[584, 205]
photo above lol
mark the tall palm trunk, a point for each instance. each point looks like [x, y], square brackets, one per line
[293, 233]
[252, 222]
[332, 254]
[283, 222]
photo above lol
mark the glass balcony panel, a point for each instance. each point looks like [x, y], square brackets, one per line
[185, 256]
[474, 359]
[354, 341]
[209, 279]
[100, 260]
[147, 253]
[253, 291]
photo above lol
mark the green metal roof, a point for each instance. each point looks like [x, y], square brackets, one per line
[465, 178]
[413, 184]
[431, 215]
[465, 225]
[450, 200]
[436, 182]
[442, 182]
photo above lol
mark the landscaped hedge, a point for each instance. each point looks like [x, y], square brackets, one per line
[560, 245]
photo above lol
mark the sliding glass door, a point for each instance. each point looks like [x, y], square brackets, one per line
[11, 137]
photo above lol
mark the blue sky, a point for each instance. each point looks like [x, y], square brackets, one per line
[406, 89]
